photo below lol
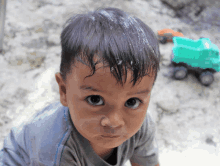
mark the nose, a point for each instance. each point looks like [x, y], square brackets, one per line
[113, 119]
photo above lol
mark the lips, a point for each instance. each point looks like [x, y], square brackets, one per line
[110, 136]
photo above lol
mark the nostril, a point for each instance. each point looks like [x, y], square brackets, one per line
[105, 122]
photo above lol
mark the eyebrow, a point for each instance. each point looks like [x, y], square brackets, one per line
[90, 88]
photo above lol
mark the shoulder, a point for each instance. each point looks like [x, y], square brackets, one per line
[147, 130]
[146, 149]
[148, 125]
[50, 111]
[45, 117]
[42, 134]
[52, 119]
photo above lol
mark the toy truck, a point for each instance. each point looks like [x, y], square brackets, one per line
[200, 56]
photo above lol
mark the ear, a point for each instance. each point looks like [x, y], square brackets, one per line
[62, 89]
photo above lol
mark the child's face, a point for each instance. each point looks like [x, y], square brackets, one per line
[98, 107]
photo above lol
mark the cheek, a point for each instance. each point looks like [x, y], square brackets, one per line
[85, 122]
[135, 122]
[84, 119]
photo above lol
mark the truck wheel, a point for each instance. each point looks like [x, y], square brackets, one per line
[206, 78]
[163, 40]
[180, 72]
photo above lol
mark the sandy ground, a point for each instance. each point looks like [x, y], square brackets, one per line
[187, 114]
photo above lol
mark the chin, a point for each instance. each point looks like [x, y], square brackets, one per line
[108, 145]
[109, 142]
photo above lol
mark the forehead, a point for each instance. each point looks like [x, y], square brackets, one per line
[104, 80]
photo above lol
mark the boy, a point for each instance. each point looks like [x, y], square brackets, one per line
[108, 67]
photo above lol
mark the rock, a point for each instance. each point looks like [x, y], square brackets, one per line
[55, 50]
[1, 121]
[20, 93]
[39, 29]
[36, 43]
[198, 104]
[212, 16]
[180, 4]
[204, 13]
[2, 61]
[209, 140]
[167, 101]
[16, 56]
[49, 25]
[53, 40]
[41, 3]
[36, 59]
[177, 4]
[166, 62]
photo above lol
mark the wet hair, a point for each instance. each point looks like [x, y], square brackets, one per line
[119, 40]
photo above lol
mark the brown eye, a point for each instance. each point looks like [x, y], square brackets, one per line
[133, 103]
[95, 100]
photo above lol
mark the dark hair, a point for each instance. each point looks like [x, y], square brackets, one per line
[119, 40]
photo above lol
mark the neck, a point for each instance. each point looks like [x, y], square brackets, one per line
[103, 153]
[108, 155]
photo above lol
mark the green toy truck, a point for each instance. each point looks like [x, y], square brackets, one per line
[200, 56]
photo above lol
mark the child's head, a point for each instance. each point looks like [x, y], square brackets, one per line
[99, 50]
[118, 39]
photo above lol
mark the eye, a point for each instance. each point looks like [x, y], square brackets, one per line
[95, 100]
[133, 103]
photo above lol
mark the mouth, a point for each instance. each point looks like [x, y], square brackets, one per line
[110, 136]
